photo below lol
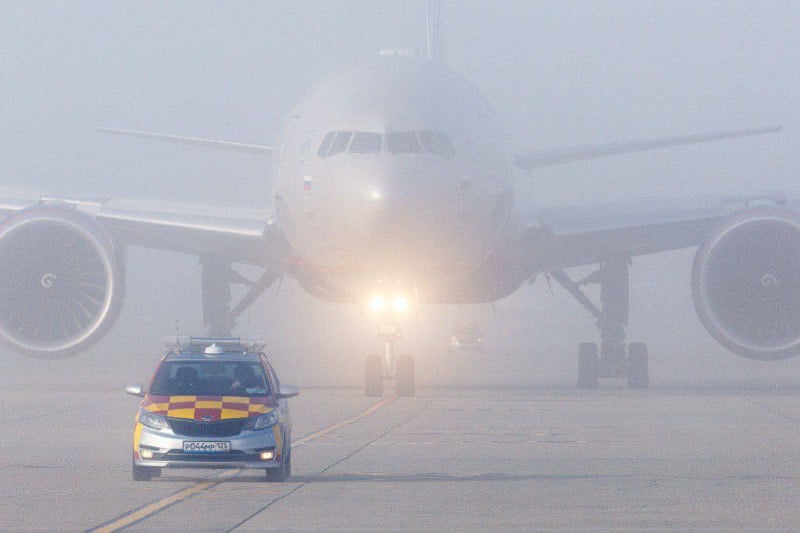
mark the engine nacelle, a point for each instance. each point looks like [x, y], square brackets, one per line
[746, 283]
[61, 282]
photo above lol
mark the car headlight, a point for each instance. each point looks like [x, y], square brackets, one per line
[261, 422]
[152, 420]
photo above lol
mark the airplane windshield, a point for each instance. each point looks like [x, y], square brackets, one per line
[366, 143]
[436, 142]
[398, 142]
[326, 143]
[340, 142]
[210, 378]
[404, 142]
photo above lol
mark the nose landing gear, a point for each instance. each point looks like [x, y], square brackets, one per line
[389, 366]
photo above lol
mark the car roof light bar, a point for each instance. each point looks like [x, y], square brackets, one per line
[225, 343]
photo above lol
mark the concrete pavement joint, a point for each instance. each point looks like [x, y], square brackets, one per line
[340, 461]
[772, 410]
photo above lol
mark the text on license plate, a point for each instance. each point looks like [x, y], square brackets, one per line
[206, 447]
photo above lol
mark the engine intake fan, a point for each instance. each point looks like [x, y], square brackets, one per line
[746, 283]
[61, 283]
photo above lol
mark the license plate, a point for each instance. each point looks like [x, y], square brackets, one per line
[206, 447]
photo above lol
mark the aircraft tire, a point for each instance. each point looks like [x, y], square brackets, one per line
[588, 366]
[373, 376]
[405, 376]
[638, 367]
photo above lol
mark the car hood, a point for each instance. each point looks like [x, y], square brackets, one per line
[207, 408]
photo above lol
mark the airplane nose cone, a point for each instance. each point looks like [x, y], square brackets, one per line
[414, 229]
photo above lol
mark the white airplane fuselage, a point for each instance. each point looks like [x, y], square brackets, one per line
[425, 223]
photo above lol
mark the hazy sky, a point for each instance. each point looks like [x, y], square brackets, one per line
[561, 73]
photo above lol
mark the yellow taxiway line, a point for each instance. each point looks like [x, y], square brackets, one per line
[140, 514]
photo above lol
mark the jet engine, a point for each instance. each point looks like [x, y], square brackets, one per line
[61, 282]
[746, 283]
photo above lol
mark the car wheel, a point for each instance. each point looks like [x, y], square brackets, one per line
[284, 471]
[144, 473]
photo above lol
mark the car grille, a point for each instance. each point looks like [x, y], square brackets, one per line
[221, 428]
[229, 457]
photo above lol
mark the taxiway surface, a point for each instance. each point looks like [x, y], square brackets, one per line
[458, 455]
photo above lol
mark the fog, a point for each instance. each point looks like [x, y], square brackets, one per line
[562, 74]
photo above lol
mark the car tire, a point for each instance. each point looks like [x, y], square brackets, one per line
[373, 376]
[284, 471]
[144, 473]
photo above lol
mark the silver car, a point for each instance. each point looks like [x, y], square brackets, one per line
[213, 403]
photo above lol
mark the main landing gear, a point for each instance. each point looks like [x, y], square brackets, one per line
[614, 359]
[217, 276]
[378, 368]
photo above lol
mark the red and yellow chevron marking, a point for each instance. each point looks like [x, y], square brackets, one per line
[207, 408]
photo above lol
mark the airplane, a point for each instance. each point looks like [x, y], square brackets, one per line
[395, 186]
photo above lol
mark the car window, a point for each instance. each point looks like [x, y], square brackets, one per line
[210, 378]
[275, 381]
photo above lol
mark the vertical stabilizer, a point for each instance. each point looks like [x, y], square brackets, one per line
[433, 26]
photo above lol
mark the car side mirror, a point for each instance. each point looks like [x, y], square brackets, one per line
[135, 389]
[287, 391]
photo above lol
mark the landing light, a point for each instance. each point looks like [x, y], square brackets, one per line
[377, 303]
[400, 304]
[375, 194]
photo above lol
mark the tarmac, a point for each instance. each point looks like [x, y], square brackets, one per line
[464, 453]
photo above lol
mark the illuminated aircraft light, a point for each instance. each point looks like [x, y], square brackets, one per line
[375, 194]
[146, 454]
[378, 303]
[267, 456]
[400, 304]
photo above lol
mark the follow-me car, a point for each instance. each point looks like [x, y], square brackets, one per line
[213, 403]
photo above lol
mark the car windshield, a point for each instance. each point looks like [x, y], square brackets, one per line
[210, 378]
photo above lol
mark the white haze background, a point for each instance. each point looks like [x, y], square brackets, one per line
[560, 73]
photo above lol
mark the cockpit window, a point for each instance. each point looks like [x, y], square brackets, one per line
[397, 142]
[340, 142]
[436, 142]
[402, 142]
[326, 143]
[366, 143]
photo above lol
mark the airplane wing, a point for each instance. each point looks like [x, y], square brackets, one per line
[239, 234]
[569, 236]
[62, 274]
[197, 141]
[545, 158]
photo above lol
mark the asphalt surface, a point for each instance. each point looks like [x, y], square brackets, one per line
[461, 454]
